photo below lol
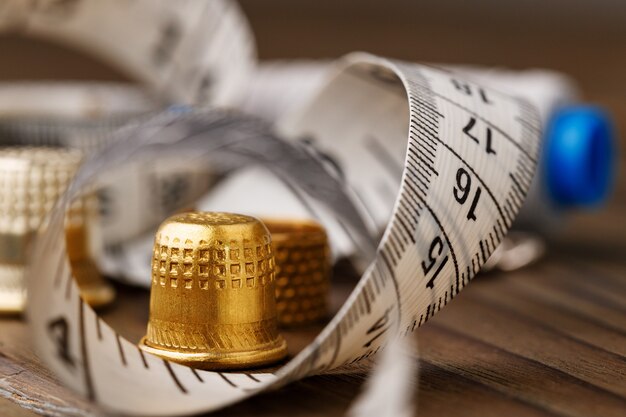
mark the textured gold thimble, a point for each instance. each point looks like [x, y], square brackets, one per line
[31, 181]
[212, 301]
[302, 271]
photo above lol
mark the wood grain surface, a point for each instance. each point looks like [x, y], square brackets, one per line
[548, 340]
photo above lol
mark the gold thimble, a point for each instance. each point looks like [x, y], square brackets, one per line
[212, 301]
[31, 180]
[302, 270]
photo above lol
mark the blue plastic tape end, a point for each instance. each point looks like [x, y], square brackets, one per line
[579, 156]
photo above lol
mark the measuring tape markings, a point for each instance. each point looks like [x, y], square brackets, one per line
[390, 248]
[425, 233]
[187, 52]
[388, 299]
[165, 45]
[82, 346]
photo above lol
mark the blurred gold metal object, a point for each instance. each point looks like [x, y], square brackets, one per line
[82, 242]
[12, 298]
[31, 181]
[302, 271]
[212, 301]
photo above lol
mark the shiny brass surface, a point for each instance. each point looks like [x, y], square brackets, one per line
[82, 242]
[303, 268]
[212, 299]
[31, 181]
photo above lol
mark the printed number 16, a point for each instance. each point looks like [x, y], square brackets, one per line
[462, 191]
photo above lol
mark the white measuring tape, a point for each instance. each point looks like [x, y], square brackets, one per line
[194, 52]
[182, 52]
[451, 191]
[277, 90]
[441, 164]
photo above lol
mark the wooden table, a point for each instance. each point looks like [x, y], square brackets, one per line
[548, 340]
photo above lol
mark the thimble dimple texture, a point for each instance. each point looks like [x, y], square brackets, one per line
[213, 286]
[31, 180]
[302, 271]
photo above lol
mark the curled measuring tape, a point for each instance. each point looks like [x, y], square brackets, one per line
[444, 164]
[192, 51]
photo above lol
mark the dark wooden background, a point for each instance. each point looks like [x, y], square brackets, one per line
[549, 340]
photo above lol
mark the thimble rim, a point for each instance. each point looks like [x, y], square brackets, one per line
[283, 229]
[213, 361]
